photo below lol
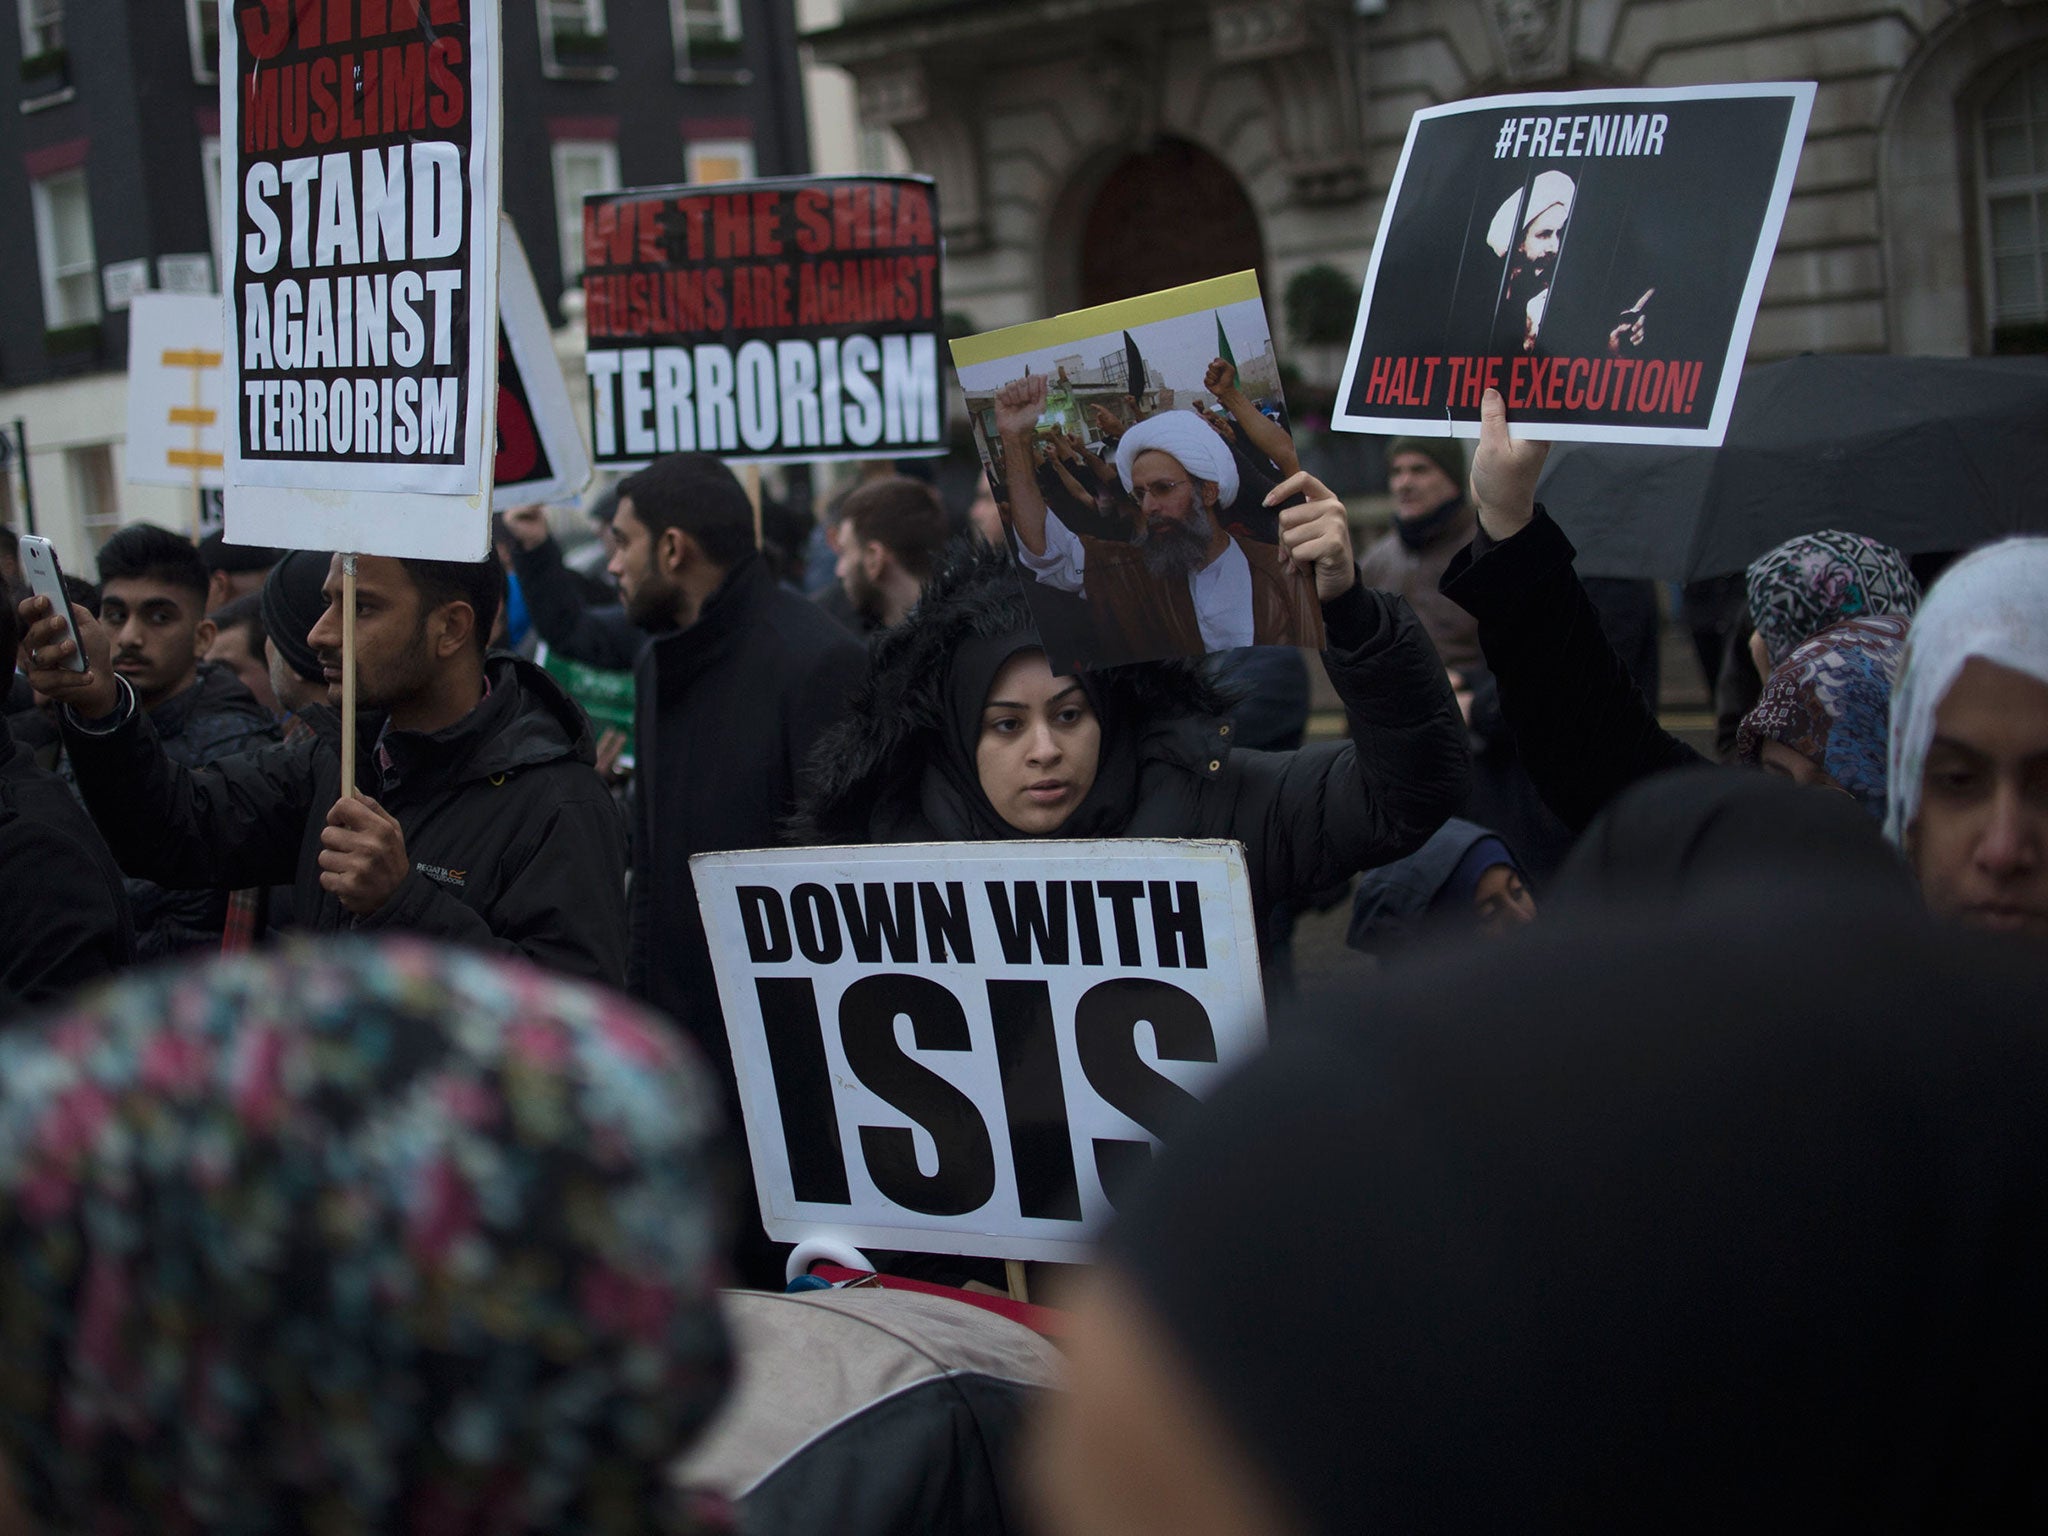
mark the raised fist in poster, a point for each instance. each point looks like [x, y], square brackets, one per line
[1019, 404]
[1220, 378]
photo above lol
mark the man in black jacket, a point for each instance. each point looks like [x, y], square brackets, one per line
[479, 818]
[63, 908]
[153, 606]
[742, 676]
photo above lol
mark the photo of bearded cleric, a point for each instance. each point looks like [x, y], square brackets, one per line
[1132, 467]
[1527, 239]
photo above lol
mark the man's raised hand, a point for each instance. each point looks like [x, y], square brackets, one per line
[1019, 404]
[1316, 534]
[528, 524]
[93, 694]
[1220, 379]
[1504, 472]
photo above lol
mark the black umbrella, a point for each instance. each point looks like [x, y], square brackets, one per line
[1924, 453]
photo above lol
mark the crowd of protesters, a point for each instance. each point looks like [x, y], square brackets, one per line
[1677, 1162]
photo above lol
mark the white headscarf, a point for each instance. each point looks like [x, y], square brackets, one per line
[1187, 439]
[1992, 604]
[1550, 189]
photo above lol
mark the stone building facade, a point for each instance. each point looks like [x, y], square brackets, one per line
[1089, 149]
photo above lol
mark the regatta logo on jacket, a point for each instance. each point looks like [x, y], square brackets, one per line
[455, 877]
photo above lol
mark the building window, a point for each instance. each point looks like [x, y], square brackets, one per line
[202, 30]
[42, 29]
[70, 268]
[708, 35]
[572, 38]
[581, 165]
[45, 63]
[95, 491]
[2012, 143]
[719, 160]
[209, 170]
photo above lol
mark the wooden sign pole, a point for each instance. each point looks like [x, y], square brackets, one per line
[1013, 1271]
[348, 677]
[753, 484]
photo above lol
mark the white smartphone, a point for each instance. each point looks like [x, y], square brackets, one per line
[46, 579]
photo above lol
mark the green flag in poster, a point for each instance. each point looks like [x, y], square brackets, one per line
[1223, 344]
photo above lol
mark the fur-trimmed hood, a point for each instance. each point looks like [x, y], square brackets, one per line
[873, 762]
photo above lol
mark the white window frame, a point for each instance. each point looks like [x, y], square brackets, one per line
[731, 30]
[43, 203]
[205, 62]
[2033, 186]
[741, 150]
[33, 43]
[93, 480]
[569, 210]
[209, 173]
[594, 25]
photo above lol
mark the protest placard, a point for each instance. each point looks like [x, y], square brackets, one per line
[1597, 256]
[541, 456]
[974, 1047]
[790, 318]
[360, 215]
[1131, 448]
[174, 390]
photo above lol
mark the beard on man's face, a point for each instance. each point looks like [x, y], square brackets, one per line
[390, 681]
[652, 603]
[1171, 547]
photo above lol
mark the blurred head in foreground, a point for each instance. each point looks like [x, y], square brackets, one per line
[1621, 1224]
[349, 1239]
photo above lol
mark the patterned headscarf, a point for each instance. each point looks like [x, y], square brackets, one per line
[354, 1238]
[1807, 584]
[1991, 604]
[1830, 701]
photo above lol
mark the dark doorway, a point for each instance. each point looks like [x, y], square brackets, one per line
[1173, 214]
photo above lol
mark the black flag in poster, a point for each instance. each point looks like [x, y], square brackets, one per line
[1596, 256]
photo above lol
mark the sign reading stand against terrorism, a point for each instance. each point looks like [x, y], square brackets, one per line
[792, 318]
[1596, 256]
[975, 1047]
[359, 214]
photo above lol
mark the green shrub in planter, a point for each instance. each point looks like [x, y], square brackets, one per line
[51, 68]
[1322, 306]
[71, 340]
[581, 47]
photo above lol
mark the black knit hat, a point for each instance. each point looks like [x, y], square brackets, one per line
[1443, 452]
[292, 605]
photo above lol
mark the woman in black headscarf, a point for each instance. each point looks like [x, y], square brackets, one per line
[962, 732]
[1580, 1236]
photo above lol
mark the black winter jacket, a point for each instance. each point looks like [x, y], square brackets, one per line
[1308, 819]
[725, 715]
[216, 717]
[514, 841]
[63, 908]
[1584, 731]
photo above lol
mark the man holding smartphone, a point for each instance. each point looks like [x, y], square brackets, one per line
[66, 911]
[478, 818]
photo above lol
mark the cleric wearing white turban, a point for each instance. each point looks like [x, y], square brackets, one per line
[1186, 439]
[1184, 582]
[1550, 201]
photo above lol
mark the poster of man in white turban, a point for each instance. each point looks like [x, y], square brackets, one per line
[1132, 449]
[1595, 256]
